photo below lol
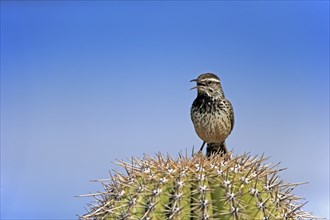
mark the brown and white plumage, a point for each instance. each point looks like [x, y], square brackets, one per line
[211, 113]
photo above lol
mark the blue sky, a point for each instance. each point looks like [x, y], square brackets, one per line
[85, 83]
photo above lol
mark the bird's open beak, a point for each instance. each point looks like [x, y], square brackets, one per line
[198, 86]
[195, 87]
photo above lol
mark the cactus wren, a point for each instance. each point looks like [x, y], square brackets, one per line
[211, 113]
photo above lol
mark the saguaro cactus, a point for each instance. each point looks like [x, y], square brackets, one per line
[230, 187]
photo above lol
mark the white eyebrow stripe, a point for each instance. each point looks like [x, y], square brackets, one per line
[210, 80]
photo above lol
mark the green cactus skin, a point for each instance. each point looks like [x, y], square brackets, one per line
[226, 188]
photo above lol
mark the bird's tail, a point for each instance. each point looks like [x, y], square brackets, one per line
[216, 148]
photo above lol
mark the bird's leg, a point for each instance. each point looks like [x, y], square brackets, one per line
[202, 146]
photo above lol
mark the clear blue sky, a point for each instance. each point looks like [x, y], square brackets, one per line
[85, 83]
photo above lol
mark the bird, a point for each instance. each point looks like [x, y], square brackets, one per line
[212, 114]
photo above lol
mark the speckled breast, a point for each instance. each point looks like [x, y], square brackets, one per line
[211, 120]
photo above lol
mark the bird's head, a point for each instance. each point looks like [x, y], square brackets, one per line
[208, 84]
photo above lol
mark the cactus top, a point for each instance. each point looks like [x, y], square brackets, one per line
[230, 187]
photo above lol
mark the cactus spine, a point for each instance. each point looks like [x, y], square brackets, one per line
[226, 188]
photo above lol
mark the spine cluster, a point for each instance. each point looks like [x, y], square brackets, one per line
[230, 187]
